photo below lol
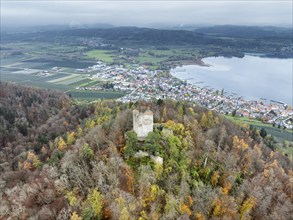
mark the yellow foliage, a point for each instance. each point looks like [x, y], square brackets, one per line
[102, 119]
[215, 178]
[99, 121]
[189, 201]
[217, 208]
[70, 138]
[36, 162]
[246, 207]
[170, 124]
[179, 128]
[51, 145]
[199, 216]
[124, 214]
[184, 143]
[185, 209]
[226, 188]
[75, 216]
[225, 208]
[210, 119]
[32, 161]
[71, 198]
[95, 202]
[79, 131]
[154, 192]
[143, 216]
[204, 121]
[164, 114]
[239, 143]
[61, 144]
[121, 202]
[90, 123]
[191, 111]
[44, 150]
[217, 121]
[158, 170]
[87, 151]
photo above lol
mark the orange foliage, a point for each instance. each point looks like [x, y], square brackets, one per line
[225, 207]
[31, 162]
[226, 188]
[199, 216]
[185, 209]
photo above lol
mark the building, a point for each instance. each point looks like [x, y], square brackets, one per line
[143, 123]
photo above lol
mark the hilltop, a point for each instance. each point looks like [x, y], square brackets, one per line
[65, 160]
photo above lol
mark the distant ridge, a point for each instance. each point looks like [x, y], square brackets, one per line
[246, 31]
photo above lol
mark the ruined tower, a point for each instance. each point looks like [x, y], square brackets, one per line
[143, 123]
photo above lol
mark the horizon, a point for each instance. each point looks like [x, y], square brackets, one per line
[149, 14]
[190, 27]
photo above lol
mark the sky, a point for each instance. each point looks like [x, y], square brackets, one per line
[149, 13]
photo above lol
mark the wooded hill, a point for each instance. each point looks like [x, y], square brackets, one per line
[63, 160]
[222, 40]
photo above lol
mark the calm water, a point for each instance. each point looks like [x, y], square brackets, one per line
[251, 77]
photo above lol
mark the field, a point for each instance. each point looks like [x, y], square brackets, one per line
[94, 95]
[286, 150]
[155, 57]
[33, 64]
[101, 55]
[279, 133]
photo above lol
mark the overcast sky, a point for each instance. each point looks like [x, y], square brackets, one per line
[147, 13]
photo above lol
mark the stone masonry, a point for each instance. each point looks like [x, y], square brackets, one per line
[143, 123]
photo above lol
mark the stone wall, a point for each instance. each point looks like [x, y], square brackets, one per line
[143, 123]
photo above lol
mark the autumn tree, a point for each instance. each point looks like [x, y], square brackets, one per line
[92, 206]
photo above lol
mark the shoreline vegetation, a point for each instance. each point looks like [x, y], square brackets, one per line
[180, 63]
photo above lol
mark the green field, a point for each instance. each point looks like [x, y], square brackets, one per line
[286, 150]
[95, 95]
[279, 133]
[102, 55]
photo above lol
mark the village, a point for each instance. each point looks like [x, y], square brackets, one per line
[141, 83]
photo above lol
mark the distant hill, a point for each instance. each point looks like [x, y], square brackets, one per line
[246, 31]
[83, 161]
[150, 36]
[220, 40]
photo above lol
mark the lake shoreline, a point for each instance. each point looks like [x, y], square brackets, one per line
[239, 77]
[180, 63]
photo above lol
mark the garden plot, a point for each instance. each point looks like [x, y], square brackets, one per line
[27, 71]
[69, 79]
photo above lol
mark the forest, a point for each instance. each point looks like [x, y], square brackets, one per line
[60, 159]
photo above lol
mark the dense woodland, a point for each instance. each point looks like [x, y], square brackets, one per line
[64, 160]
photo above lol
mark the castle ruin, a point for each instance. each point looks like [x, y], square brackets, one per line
[143, 123]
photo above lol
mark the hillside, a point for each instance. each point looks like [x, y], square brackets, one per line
[64, 160]
[223, 40]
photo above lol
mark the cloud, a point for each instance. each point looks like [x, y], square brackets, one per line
[146, 13]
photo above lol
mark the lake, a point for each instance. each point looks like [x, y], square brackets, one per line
[252, 77]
